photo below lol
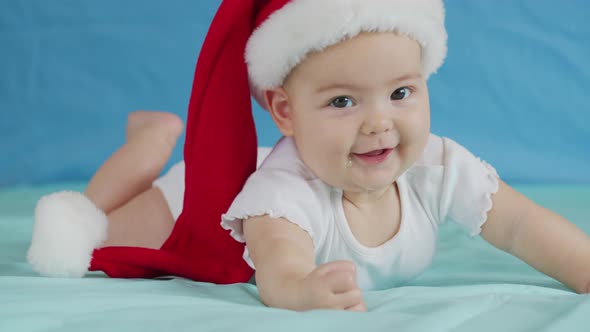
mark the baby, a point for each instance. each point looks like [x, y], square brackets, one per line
[353, 195]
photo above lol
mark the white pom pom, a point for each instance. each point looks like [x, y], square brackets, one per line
[68, 227]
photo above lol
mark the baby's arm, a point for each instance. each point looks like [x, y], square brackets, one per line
[286, 274]
[541, 238]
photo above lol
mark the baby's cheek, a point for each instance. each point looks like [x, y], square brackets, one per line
[415, 148]
[332, 165]
[416, 129]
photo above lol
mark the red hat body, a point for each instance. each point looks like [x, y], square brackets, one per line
[219, 152]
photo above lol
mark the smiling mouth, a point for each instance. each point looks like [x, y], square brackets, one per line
[373, 157]
[373, 153]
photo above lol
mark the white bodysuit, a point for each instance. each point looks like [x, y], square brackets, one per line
[171, 184]
[446, 183]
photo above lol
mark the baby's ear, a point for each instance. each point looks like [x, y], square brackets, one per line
[277, 104]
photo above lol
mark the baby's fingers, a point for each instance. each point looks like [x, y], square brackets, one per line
[341, 282]
[350, 299]
[358, 308]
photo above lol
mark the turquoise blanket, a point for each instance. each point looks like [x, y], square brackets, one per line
[470, 287]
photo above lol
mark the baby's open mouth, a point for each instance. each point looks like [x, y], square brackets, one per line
[373, 153]
[373, 157]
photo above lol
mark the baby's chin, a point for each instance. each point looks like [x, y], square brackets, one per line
[359, 178]
[372, 183]
[376, 185]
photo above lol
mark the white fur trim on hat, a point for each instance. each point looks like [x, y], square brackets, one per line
[68, 227]
[303, 26]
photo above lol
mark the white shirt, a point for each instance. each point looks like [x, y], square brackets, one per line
[446, 183]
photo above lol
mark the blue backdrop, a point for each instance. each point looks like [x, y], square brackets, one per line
[513, 89]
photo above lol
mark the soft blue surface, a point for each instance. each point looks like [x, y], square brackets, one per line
[514, 88]
[470, 287]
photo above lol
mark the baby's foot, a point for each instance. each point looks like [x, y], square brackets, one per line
[163, 125]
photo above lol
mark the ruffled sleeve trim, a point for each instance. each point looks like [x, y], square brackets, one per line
[233, 221]
[468, 186]
[491, 188]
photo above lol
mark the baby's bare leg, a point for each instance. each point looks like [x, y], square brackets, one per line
[145, 221]
[151, 137]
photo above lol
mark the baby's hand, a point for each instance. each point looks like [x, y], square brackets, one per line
[332, 286]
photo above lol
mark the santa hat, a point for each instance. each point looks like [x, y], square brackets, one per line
[251, 46]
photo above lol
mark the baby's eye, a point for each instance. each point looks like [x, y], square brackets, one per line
[342, 102]
[401, 93]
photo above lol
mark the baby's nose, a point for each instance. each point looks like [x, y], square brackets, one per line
[377, 124]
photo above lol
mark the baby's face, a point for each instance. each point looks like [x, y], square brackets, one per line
[363, 100]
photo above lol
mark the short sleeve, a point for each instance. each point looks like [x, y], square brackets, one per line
[467, 188]
[279, 194]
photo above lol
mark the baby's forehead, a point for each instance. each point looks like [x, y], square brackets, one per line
[395, 52]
